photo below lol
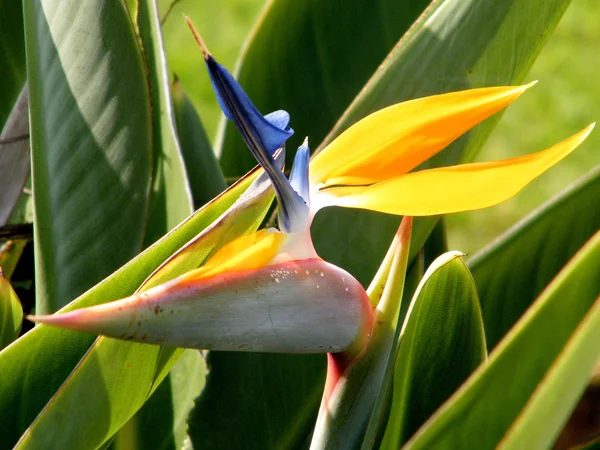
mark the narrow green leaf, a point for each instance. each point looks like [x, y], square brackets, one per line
[12, 54]
[162, 422]
[454, 45]
[11, 313]
[481, 412]
[512, 271]
[14, 156]
[202, 168]
[321, 60]
[41, 360]
[171, 198]
[551, 404]
[91, 157]
[442, 342]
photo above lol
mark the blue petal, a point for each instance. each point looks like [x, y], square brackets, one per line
[299, 175]
[270, 131]
[263, 135]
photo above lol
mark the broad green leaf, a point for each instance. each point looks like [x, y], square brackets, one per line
[129, 372]
[12, 55]
[454, 45]
[202, 168]
[11, 313]
[442, 342]
[352, 397]
[312, 58]
[512, 271]
[41, 360]
[161, 424]
[171, 198]
[14, 156]
[556, 396]
[91, 157]
[491, 401]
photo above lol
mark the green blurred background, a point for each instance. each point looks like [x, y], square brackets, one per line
[566, 99]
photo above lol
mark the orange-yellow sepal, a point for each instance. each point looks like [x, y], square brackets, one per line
[247, 252]
[457, 188]
[395, 140]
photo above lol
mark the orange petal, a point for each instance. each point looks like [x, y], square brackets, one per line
[247, 252]
[395, 140]
[457, 188]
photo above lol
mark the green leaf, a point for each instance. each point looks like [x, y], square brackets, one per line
[314, 65]
[203, 170]
[161, 424]
[11, 313]
[14, 156]
[512, 271]
[91, 157]
[442, 342]
[485, 408]
[171, 199]
[12, 54]
[454, 45]
[554, 399]
[10, 253]
[36, 366]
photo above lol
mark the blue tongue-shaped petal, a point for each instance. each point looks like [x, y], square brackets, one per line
[299, 175]
[270, 131]
[263, 135]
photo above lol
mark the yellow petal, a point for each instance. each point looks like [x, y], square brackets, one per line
[456, 188]
[244, 253]
[395, 140]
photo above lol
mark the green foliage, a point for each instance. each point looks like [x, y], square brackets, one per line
[11, 313]
[442, 343]
[91, 158]
[498, 395]
[119, 155]
[513, 271]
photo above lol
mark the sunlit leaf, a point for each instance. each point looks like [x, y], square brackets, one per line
[91, 158]
[483, 410]
[442, 342]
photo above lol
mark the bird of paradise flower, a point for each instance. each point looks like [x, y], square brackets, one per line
[269, 290]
